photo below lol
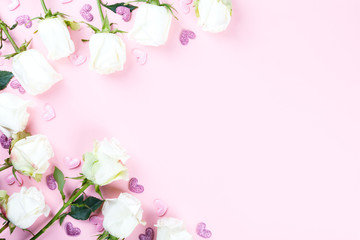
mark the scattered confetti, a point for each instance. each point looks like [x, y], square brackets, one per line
[186, 35]
[185, 6]
[161, 207]
[98, 222]
[49, 112]
[140, 55]
[202, 231]
[72, 163]
[124, 12]
[77, 59]
[24, 20]
[5, 141]
[134, 186]
[10, 179]
[50, 182]
[66, 1]
[14, 5]
[15, 84]
[85, 12]
[149, 234]
[71, 230]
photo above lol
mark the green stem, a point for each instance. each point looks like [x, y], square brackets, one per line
[101, 12]
[154, 2]
[4, 27]
[4, 167]
[44, 6]
[4, 227]
[57, 215]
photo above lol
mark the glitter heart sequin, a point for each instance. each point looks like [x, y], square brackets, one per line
[15, 84]
[72, 163]
[149, 234]
[124, 12]
[161, 207]
[85, 12]
[98, 222]
[24, 19]
[140, 55]
[185, 35]
[50, 182]
[49, 112]
[71, 230]
[5, 141]
[135, 187]
[202, 231]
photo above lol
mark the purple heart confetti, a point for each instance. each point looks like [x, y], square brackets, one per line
[149, 234]
[124, 12]
[71, 230]
[185, 35]
[202, 231]
[50, 182]
[134, 186]
[5, 141]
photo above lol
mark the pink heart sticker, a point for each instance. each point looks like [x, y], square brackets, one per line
[98, 222]
[13, 5]
[10, 179]
[77, 59]
[202, 231]
[184, 7]
[49, 112]
[141, 55]
[72, 163]
[161, 207]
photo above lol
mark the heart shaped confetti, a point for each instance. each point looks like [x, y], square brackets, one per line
[15, 84]
[49, 112]
[72, 163]
[140, 55]
[77, 59]
[134, 186]
[202, 231]
[161, 207]
[66, 1]
[185, 35]
[71, 230]
[98, 222]
[10, 179]
[14, 5]
[149, 234]
[185, 5]
[124, 12]
[85, 12]
[5, 141]
[50, 182]
[24, 20]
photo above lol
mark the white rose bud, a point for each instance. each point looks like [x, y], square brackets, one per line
[214, 15]
[25, 207]
[108, 53]
[13, 112]
[33, 71]
[172, 229]
[56, 37]
[122, 215]
[106, 163]
[31, 156]
[152, 25]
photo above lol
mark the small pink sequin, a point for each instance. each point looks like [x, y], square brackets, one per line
[15, 84]
[98, 222]
[50, 182]
[85, 12]
[149, 234]
[185, 35]
[24, 19]
[71, 230]
[124, 12]
[14, 5]
[77, 60]
[134, 186]
[161, 207]
[49, 112]
[72, 163]
[10, 179]
[202, 231]
[140, 55]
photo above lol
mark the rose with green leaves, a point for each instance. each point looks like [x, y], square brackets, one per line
[214, 15]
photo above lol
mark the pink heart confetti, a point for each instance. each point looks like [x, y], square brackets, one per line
[24, 19]
[185, 8]
[14, 5]
[202, 231]
[149, 234]
[140, 55]
[134, 186]
[66, 1]
[49, 112]
[124, 12]
[185, 35]
[85, 12]
[98, 222]
[77, 59]
[161, 207]
[51, 182]
[5, 141]
[72, 163]
[15, 84]
[10, 179]
[71, 230]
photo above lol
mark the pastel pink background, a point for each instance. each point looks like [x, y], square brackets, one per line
[254, 131]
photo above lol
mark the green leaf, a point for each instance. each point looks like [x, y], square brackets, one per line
[62, 218]
[98, 191]
[60, 180]
[14, 173]
[75, 26]
[85, 40]
[12, 228]
[114, 6]
[106, 25]
[170, 8]
[81, 209]
[5, 78]
[95, 29]
[13, 26]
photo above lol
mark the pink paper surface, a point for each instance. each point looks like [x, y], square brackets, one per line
[254, 131]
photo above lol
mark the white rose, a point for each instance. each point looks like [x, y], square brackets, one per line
[31, 156]
[25, 207]
[108, 53]
[56, 38]
[172, 229]
[33, 71]
[13, 112]
[122, 215]
[152, 25]
[214, 15]
[106, 163]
